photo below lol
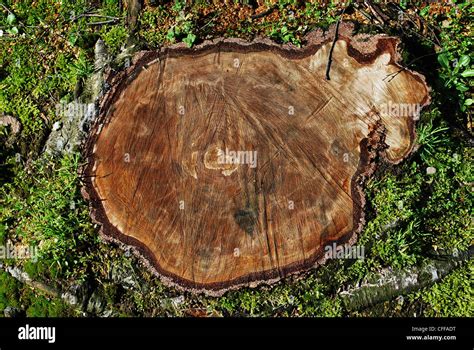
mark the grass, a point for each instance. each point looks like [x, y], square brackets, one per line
[412, 215]
[47, 212]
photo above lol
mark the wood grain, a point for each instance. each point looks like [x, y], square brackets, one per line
[163, 179]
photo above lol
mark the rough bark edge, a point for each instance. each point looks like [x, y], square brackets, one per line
[363, 48]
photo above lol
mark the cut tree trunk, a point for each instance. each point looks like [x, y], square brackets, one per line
[235, 163]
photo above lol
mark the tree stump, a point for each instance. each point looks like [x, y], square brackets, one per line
[235, 163]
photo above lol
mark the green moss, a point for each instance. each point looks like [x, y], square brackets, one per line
[41, 306]
[452, 297]
[9, 291]
[115, 38]
[42, 269]
[112, 293]
[14, 294]
[309, 297]
[49, 213]
[153, 25]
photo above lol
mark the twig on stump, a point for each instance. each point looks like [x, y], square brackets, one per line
[336, 34]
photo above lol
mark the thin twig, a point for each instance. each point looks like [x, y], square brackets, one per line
[368, 16]
[336, 34]
[264, 13]
[74, 18]
[394, 74]
[377, 13]
[210, 21]
[410, 18]
[362, 12]
[115, 20]
[6, 9]
[95, 15]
